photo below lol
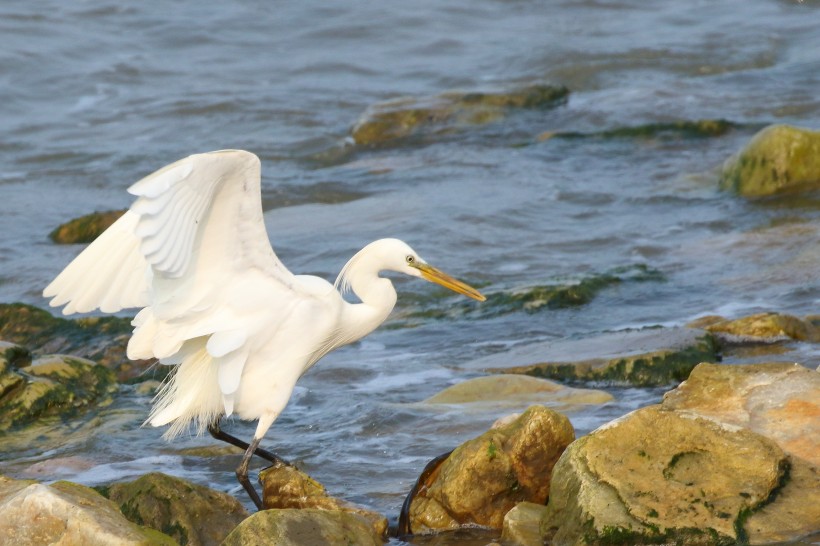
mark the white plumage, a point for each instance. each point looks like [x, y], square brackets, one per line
[193, 253]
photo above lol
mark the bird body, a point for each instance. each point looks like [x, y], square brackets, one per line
[192, 251]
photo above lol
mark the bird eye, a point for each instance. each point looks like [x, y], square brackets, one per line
[410, 259]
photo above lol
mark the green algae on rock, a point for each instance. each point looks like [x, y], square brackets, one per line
[482, 479]
[303, 527]
[648, 357]
[780, 159]
[85, 228]
[101, 339]
[66, 513]
[53, 385]
[191, 514]
[405, 117]
[704, 128]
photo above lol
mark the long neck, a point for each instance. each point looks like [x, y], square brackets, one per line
[377, 296]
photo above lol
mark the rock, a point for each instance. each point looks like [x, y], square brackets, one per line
[649, 357]
[522, 524]
[404, 117]
[486, 477]
[779, 159]
[191, 514]
[101, 339]
[704, 128]
[724, 469]
[68, 514]
[760, 328]
[285, 487]
[14, 356]
[498, 391]
[86, 228]
[303, 527]
[54, 385]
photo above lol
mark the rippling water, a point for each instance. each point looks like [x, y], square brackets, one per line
[95, 95]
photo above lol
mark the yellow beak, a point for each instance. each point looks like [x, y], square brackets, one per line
[439, 277]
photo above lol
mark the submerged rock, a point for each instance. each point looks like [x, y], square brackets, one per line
[303, 527]
[779, 159]
[32, 514]
[723, 470]
[53, 385]
[485, 477]
[285, 487]
[506, 390]
[191, 514]
[649, 357]
[86, 228]
[404, 117]
[703, 128]
[101, 339]
[760, 328]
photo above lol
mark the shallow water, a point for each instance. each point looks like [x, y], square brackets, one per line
[93, 96]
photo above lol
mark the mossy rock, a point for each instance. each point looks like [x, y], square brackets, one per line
[704, 128]
[760, 328]
[303, 527]
[405, 117]
[648, 357]
[54, 385]
[780, 159]
[101, 339]
[86, 228]
[192, 514]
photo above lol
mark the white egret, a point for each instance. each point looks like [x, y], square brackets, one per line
[192, 251]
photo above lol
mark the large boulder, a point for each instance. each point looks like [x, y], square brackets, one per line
[285, 487]
[303, 527]
[779, 159]
[724, 459]
[32, 514]
[191, 514]
[649, 357]
[53, 385]
[486, 477]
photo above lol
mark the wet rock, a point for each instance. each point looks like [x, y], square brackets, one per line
[704, 128]
[649, 357]
[191, 514]
[405, 117]
[286, 487]
[32, 514]
[486, 477]
[779, 159]
[497, 391]
[54, 385]
[101, 339]
[760, 328]
[86, 228]
[728, 467]
[13, 356]
[303, 527]
[522, 525]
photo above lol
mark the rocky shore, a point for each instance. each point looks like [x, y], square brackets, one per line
[730, 456]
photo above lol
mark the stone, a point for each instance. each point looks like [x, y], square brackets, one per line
[780, 159]
[101, 339]
[505, 390]
[55, 385]
[404, 117]
[68, 514]
[736, 462]
[189, 513]
[303, 527]
[487, 476]
[86, 228]
[522, 525]
[648, 357]
[760, 328]
[285, 487]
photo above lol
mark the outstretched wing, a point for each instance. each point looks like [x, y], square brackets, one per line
[193, 222]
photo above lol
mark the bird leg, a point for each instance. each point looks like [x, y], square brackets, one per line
[219, 434]
[242, 473]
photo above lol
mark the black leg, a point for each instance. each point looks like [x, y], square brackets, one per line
[219, 434]
[242, 473]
